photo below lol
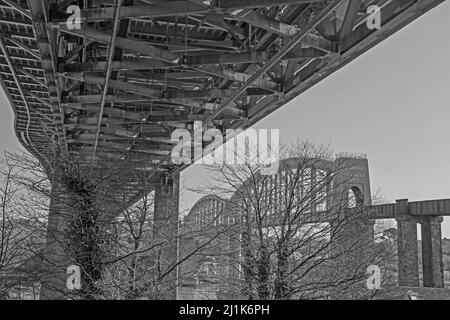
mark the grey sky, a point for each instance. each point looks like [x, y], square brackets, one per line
[393, 103]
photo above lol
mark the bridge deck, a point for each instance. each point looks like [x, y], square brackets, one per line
[426, 208]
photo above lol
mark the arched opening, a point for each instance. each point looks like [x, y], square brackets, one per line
[355, 198]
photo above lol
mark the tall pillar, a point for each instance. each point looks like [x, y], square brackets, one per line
[166, 218]
[408, 264]
[56, 259]
[433, 268]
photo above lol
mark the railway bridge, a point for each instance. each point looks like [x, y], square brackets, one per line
[298, 185]
[106, 82]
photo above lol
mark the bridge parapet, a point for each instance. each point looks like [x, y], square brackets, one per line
[385, 211]
[430, 208]
[426, 208]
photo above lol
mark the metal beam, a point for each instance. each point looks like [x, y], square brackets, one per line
[261, 21]
[201, 60]
[114, 112]
[281, 28]
[20, 9]
[33, 77]
[40, 99]
[18, 43]
[45, 39]
[277, 57]
[178, 32]
[226, 58]
[251, 4]
[125, 64]
[118, 98]
[159, 94]
[124, 43]
[177, 8]
[251, 57]
[72, 54]
[108, 76]
[110, 129]
[22, 93]
[116, 84]
[350, 17]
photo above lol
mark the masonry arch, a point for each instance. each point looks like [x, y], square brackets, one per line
[355, 197]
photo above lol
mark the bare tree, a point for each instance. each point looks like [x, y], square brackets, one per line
[296, 234]
[140, 262]
[114, 242]
[293, 235]
[22, 230]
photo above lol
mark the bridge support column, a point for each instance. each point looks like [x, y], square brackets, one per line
[408, 262]
[433, 268]
[166, 218]
[56, 259]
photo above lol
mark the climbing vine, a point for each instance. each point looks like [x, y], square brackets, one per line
[86, 237]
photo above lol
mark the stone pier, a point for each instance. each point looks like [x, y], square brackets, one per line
[56, 259]
[432, 260]
[408, 262]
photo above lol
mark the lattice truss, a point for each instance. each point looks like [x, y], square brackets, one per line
[115, 89]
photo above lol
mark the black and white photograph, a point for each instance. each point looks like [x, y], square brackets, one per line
[230, 156]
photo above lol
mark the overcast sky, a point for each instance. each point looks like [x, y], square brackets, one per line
[392, 103]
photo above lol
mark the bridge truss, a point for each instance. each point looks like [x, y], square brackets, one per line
[113, 91]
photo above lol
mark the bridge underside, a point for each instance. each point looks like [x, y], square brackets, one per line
[113, 91]
[109, 94]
